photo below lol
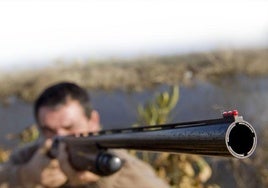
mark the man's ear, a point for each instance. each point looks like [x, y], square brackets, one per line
[94, 121]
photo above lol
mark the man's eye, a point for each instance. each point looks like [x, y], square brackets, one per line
[69, 127]
[47, 130]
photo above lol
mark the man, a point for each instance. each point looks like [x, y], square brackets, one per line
[64, 109]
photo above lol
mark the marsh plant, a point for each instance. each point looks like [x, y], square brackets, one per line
[178, 170]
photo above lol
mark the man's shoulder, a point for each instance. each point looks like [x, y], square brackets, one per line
[24, 153]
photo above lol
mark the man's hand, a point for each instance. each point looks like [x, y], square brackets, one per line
[41, 170]
[75, 178]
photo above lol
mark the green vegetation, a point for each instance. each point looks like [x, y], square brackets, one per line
[157, 112]
[179, 171]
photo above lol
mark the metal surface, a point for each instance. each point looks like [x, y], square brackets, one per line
[229, 136]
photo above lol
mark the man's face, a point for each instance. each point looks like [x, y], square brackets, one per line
[66, 119]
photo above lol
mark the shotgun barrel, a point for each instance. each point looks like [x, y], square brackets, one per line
[229, 136]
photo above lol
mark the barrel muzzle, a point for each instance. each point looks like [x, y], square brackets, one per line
[241, 139]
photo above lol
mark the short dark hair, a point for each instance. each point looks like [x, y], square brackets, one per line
[59, 94]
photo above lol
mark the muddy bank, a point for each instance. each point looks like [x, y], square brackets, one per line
[137, 74]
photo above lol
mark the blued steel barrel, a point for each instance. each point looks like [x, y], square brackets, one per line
[231, 136]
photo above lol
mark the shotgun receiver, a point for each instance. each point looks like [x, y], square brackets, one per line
[228, 136]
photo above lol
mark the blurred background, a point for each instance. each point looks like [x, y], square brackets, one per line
[127, 53]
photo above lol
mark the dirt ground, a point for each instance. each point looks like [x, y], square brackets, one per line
[136, 74]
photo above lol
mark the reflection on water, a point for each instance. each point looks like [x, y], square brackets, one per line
[201, 101]
[14, 118]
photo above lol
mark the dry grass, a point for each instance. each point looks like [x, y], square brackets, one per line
[138, 73]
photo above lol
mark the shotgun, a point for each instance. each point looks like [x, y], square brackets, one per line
[229, 136]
